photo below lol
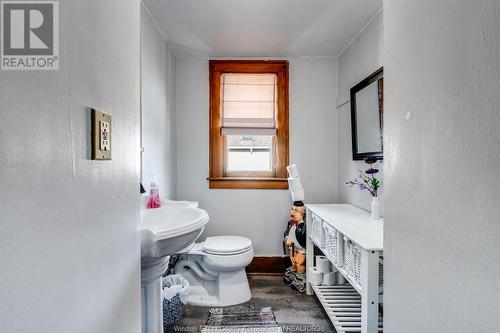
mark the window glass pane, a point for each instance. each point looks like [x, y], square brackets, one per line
[249, 153]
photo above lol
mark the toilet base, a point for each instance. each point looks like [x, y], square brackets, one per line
[227, 288]
[232, 287]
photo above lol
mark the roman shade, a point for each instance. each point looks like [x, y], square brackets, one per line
[248, 104]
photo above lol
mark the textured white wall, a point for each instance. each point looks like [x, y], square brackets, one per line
[69, 248]
[158, 89]
[360, 59]
[442, 214]
[260, 215]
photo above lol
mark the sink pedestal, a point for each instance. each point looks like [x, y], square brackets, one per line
[164, 231]
[151, 288]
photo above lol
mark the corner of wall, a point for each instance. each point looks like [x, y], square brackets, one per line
[360, 58]
[158, 94]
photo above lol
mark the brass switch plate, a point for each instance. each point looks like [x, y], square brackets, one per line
[101, 135]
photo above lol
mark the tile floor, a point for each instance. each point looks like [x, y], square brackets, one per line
[295, 312]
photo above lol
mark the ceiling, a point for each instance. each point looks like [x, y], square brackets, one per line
[258, 28]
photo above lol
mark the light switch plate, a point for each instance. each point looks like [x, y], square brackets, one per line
[101, 135]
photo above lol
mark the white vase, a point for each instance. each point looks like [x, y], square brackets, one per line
[375, 208]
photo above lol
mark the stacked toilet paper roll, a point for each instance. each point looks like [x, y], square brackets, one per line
[323, 264]
[314, 277]
[295, 184]
[324, 268]
[328, 279]
[292, 170]
[296, 188]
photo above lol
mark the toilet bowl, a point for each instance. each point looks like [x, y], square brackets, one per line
[215, 270]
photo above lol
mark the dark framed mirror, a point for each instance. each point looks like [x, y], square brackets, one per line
[367, 108]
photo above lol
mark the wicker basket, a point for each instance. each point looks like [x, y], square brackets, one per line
[316, 230]
[331, 243]
[173, 308]
[381, 272]
[346, 255]
[352, 261]
[355, 271]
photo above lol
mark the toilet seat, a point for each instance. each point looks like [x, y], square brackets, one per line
[226, 245]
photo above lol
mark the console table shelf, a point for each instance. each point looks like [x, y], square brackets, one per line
[353, 243]
[342, 304]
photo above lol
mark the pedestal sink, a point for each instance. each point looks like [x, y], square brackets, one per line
[164, 231]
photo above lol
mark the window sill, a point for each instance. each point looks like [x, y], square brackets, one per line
[248, 183]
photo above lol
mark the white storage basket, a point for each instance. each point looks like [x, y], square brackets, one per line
[381, 272]
[316, 230]
[352, 261]
[331, 243]
[346, 257]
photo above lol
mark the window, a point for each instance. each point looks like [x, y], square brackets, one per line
[248, 124]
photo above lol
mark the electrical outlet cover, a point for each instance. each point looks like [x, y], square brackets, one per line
[101, 135]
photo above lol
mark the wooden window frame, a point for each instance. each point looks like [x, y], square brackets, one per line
[218, 177]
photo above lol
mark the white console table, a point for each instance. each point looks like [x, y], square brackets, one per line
[353, 243]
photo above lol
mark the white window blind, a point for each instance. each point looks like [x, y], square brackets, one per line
[248, 104]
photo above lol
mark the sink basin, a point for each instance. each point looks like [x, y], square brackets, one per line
[169, 229]
[164, 231]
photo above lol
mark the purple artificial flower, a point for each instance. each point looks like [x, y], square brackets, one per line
[371, 171]
[366, 180]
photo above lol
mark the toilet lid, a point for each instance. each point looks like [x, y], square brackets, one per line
[226, 244]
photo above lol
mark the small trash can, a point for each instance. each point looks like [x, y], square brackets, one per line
[175, 290]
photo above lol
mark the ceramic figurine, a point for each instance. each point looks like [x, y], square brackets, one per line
[295, 237]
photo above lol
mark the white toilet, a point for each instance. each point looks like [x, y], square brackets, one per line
[215, 270]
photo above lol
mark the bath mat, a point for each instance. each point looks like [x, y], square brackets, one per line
[241, 319]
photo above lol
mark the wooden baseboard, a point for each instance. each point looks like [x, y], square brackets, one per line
[268, 266]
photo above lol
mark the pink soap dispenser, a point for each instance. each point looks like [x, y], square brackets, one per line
[154, 196]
